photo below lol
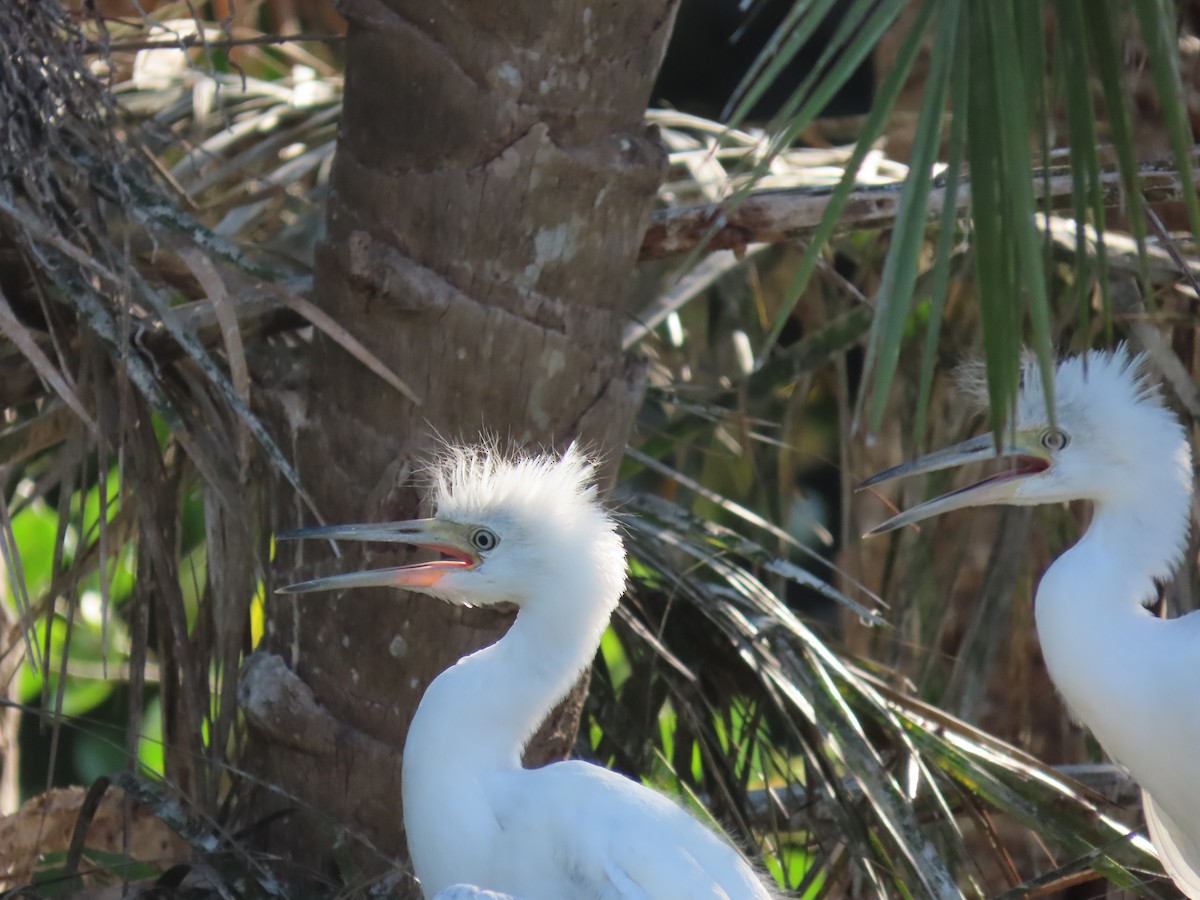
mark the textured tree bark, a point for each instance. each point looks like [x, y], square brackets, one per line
[492, 186]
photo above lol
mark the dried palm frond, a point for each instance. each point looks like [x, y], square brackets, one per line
[119, 307]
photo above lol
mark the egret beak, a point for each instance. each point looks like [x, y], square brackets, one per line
[448, 538]
[997, 488]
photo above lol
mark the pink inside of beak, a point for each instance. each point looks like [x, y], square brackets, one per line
[429, 573]
[425, 574]
[1021, 466]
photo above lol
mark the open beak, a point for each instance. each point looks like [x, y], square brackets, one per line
[998, 488]
[448, 538]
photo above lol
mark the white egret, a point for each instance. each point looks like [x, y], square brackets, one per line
[531, 532]
[1131, 677]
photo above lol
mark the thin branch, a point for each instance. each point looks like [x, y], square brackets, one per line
[195, 39]
[784, 216]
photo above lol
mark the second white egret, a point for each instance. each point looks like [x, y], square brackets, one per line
[1131, 677]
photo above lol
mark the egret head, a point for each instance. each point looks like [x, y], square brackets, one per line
[1109, 438]
[502, 525]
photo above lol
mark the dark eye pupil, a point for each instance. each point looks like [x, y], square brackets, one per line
[484, 540]
[1054, 440]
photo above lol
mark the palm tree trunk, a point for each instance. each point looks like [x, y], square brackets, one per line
[492, 186]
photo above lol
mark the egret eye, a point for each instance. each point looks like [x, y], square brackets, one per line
[1055, 440]
[484, 539]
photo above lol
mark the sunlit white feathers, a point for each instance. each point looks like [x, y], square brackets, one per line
[482, 481]
[546, 512]
[529, 531]
[1122, 445]
[1130, 676]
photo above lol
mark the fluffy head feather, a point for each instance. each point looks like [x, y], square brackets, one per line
[1114, 376]
[1103, 397]
[547, 513]
[1124, 449]
[1108, 385]
[482, 481]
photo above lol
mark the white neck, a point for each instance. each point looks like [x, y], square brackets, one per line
[483, 710]
[476, 718]
[1099, 640]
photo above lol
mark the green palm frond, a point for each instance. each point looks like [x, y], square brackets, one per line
[990, 74]
[803, 751]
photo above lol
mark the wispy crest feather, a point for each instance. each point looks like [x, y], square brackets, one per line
[970, 382]
[1114, 373]
[470, 482]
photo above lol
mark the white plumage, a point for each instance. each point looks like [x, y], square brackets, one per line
[1133, 678]
[531, 532]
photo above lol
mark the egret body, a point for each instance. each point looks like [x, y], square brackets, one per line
[1131, 677]
[531, 532]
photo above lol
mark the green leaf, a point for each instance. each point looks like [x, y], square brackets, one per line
[1086, 199]
[1015, 165]
[947, 237]
[881, 109]
[899, 275]
[996, 276]
[800, 23]
[859, 31]
[1157, 19]
[150, 739]
[35, 532]
[1106, 55]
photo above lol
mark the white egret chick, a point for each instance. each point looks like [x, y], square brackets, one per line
[531, 532]
[1131, 677]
